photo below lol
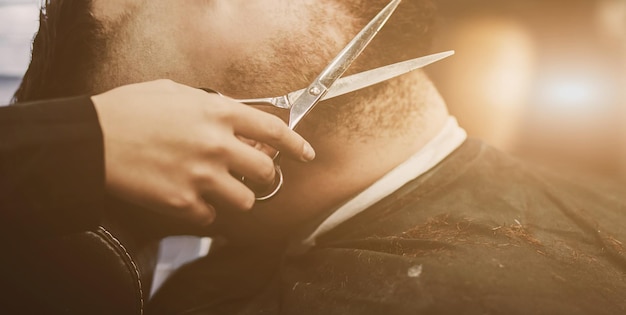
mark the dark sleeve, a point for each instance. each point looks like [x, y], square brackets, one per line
[51, 168]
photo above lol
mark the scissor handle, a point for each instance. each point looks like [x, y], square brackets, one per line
[262, 192]
[265, 192]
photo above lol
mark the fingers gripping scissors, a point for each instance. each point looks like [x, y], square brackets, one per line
[328, 84]
[313, 94]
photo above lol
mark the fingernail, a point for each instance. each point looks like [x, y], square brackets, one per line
[309, 153]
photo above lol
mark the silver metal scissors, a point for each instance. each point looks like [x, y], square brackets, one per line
[353, 82]
[328, 85]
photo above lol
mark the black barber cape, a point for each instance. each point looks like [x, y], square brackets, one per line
[481, 233]
[51, 168]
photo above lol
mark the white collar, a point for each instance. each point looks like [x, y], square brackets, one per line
[436, 150]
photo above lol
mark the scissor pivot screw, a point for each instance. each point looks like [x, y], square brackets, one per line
[315, 91]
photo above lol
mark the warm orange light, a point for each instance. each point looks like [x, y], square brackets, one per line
[489, 79]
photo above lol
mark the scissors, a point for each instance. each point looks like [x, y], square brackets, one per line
[329, 85]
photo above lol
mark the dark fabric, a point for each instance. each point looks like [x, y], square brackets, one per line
[106, 270]
[97, 272]
[51, 168]
[68, 249]
[482, 233]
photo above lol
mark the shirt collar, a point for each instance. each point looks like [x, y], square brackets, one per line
[436, 150]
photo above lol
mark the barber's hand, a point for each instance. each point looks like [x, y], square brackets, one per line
[173, 149]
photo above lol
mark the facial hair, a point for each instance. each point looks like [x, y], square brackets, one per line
[288, 63]
[407, 35]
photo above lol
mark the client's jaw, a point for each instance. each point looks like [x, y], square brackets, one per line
[347, 161]
[287, 43]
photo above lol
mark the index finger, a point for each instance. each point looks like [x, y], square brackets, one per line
[263, 127]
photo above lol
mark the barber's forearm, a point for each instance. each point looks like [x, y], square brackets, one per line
[51, 167]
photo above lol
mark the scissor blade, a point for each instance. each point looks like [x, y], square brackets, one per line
[368, 78]
[374, 76]
[314, 93]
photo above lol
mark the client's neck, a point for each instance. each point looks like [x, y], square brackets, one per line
[347, 165]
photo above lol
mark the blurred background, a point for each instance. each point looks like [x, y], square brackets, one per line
[544, 80]
[18, 23]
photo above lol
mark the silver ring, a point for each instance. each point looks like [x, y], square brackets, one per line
[277, 185]
[273, 193]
